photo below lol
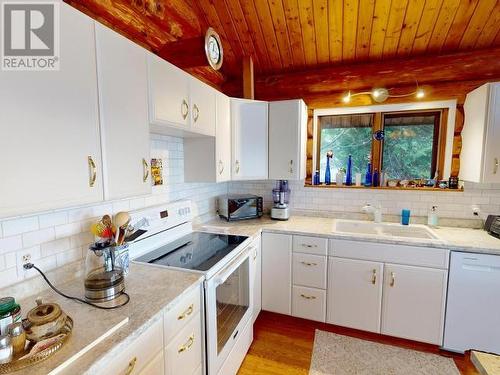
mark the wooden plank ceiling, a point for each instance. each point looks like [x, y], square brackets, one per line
[289, 35]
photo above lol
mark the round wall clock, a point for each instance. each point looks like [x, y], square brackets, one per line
[213, 49]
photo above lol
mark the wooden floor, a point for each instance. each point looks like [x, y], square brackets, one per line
[283, 345]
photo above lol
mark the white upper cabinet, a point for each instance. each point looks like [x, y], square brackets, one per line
[223, 138]
[202, 105]
[287, 140]
[208, 159]
[168, 95]
[249, 119]
[50, 128]
[122, 77]
[480, 155]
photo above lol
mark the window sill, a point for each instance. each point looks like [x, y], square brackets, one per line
[423, 188]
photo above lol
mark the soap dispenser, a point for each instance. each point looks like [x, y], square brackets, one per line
[432, 217]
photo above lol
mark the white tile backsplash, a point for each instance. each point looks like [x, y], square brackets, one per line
[54, 239]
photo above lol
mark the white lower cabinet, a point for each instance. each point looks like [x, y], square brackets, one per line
[184, 352]
[355, 293]
[309, 303]
[414, 303]
[156, 366]
[277, 273]
[256, 278]
[309, 270]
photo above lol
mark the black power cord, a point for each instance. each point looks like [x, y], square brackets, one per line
[28, 266]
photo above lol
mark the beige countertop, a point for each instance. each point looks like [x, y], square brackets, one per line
[456, 239]
[152, 290]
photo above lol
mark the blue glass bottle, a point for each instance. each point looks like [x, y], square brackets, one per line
[348, 176]
[368, 175]
[316, 178]
[375, 178]
[328, 177]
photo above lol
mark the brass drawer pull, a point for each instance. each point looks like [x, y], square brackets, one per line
[196, 113]
[309, 264]
[92, 171]
[184, 109]
[307, 297]
[495, 168]
[374, 276]
[393, 279]
[187, 345]
[186, 313]
[291, 166]
[145, 170]
[309, 246]
[131, 366]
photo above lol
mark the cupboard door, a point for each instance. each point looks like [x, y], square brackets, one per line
[355, 293]
[202, 107]
[256, 278]
[277, 273]
[122, 75]
[223, 138]
[50, 127]
[168, 94]
[155, 366]
[492, 148]
[287, 140]
[413, 303]
[249, 139]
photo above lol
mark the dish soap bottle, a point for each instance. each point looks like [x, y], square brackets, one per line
[432, 217]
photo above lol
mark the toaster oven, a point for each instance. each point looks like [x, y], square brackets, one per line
[240, 207]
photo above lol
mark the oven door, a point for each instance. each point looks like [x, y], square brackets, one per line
[228, 309]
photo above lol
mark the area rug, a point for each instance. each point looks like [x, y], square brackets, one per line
[338, 355]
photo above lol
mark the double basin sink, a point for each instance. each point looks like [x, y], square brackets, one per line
[387, 230]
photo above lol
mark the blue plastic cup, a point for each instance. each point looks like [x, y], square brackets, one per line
[405, 217]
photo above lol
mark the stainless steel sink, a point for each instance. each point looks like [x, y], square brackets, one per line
[385, 229]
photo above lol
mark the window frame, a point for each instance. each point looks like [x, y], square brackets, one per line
[439, 142]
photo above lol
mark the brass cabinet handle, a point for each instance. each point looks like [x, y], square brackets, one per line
[187, 345]
[291, 167]
[186, 313]
[221, 167]
[237, 166]
[131, 366]
[309, 263]
[307, 297]
[184, 109]
[255, 253]
[92, 171]
[145, 170]
[495, 168]
[374, 276]
[196, 113]
[393, 279]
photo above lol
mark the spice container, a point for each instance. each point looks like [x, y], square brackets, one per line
[18, 337]
[6, 351]
[10, 312]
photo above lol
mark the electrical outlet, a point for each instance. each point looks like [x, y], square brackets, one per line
[476, 210]
[26, 258]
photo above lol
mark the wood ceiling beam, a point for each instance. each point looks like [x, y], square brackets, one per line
[454, 67]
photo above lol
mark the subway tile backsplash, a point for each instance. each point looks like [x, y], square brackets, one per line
[54, 239]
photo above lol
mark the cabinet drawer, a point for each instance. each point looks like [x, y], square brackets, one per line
[156, 366]
[309, 303]
[390, 253]
[139, 353]
[309, 270]
[183, 354]
[310, 245]
[177, 317]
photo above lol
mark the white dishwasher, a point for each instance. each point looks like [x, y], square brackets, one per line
[473, 306]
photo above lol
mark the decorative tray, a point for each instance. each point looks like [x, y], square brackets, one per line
[23, 361]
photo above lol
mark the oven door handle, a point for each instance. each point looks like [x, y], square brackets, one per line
[223, 275]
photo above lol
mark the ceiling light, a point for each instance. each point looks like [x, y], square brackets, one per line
[380, 94]
[347, 97]
[420, 93]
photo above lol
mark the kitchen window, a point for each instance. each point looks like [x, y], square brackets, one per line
[406, 145]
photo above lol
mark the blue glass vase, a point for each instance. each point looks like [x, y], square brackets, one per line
[328, 177]
[348, 176]
[368, 175]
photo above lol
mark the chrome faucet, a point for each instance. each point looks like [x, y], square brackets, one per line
[376, 211]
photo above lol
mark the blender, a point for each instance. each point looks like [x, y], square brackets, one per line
[281, 196]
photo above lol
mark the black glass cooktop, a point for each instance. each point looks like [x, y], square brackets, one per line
[197, 251]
